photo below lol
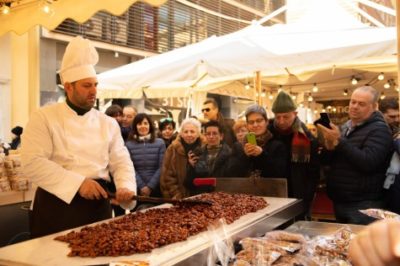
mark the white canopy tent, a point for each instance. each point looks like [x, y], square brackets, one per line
[282, 54]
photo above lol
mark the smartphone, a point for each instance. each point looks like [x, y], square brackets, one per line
[197, 151]
[251, 138]
[323, 120]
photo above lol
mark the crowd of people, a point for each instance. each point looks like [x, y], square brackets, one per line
[79, 157]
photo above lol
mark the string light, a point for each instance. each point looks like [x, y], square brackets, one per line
[334, 109]
[315, 88]
[45, 6]
[354, 81]
[247, 86]
[383, 96]
[5, 9]
[271, 96]
[280, 88]
[263, 94]
[116, 54]
[310, 98]
[381, 76]
[387, 85]
[345, 92]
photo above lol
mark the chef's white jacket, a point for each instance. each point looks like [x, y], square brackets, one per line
[60, 149]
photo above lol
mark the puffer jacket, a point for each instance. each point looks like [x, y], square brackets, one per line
[359, 162]
[147, 158]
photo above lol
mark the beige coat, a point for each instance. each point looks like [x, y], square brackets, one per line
[173, 172]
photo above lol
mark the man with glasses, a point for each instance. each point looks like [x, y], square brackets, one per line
[211, 112]
[302, 157]
[212, 159]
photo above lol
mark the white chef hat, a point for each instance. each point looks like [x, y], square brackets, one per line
[78, 60]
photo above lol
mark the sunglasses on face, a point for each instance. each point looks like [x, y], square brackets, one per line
[205, 110]
[168, 119]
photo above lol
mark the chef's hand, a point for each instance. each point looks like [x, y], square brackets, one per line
[91, 190]
[252, 150]
[378, 244]
[145, 191]
[124, 195]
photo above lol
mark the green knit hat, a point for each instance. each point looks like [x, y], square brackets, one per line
[283, 103]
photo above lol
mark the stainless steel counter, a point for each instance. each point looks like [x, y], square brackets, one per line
[47, 251]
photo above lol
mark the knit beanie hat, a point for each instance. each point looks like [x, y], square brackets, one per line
[17, 130]
[255, 108]
[283, 103]
[78, 61]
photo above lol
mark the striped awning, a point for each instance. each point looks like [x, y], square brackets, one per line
[26, 14]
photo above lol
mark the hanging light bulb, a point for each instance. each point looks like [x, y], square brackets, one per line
[256, 94]
[46, 6]
[271, 96]
[354, 81]
[280, 88]
[263, 94]
[345, 92]
[315, 111]
[301, 105]
[315, 88]
[323, 110]
[383, 96]
[381, 76]
[5, 9]
[386, 85]
[294, 97]
[116, 54]
[334, 109]
[247, 86]
[310, 98]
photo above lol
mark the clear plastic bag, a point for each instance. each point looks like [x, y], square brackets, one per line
[380, 214]
[222, 250]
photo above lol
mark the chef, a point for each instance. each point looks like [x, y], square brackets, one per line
[70, 148]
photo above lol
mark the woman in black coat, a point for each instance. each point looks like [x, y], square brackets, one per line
[266, 158]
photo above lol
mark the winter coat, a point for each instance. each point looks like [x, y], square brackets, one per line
[174, 171]
[302, 176]
[201, 168]
[359, 162]
[271, 162]
[147, 157]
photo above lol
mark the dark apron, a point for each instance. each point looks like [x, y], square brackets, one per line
[50, 214]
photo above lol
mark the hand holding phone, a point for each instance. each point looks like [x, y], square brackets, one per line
[323, 120]
[251, 138]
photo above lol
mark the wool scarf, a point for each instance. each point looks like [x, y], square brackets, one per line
[301, 144]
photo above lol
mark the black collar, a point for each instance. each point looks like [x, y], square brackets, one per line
[78, 110]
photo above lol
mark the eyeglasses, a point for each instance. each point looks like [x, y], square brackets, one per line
[211, 134]
[205, 110]
[258, 121]
[168, 119]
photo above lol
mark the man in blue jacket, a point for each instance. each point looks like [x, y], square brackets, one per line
[358, 156]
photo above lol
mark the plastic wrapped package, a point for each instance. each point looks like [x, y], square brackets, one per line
[381, 214]
[4, 185]
[331, 249]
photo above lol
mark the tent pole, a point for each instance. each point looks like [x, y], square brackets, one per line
[398, 44]
[258, 86]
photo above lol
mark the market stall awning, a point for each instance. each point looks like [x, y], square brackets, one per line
[24, 14]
